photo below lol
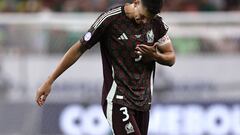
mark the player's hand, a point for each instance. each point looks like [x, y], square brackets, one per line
[42, 93]
[147, 51]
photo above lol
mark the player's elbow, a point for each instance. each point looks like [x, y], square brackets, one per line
[171, 61]
[167, 59]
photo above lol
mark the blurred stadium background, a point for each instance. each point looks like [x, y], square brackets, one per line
[198, 96]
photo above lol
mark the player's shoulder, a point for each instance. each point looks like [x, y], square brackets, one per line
[115, 8]
[160, 27]
[108, 16]
[158, 18]
[113, 12]
[159, 21]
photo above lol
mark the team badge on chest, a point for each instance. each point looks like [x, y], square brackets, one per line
[150, 36]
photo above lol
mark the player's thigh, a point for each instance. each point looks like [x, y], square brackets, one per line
[142, 119]
[122, 120]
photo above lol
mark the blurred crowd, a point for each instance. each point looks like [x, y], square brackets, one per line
[101, 5]
[17, 39]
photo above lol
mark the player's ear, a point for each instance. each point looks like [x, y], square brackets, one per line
[135, 2]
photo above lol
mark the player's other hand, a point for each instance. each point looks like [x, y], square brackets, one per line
[42, 93]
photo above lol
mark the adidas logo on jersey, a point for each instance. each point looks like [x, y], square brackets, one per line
[123, 37]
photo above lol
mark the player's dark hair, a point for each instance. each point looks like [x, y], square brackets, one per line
[153, 6]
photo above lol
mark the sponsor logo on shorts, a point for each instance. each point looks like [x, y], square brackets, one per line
[129, 128]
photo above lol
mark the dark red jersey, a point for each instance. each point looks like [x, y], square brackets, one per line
[128, 81]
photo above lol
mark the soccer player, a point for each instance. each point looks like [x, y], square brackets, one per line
[132, 39]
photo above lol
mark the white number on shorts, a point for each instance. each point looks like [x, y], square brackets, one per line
[125, 112]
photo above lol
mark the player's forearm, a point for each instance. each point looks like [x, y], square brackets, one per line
[70, 57]
[167, 58]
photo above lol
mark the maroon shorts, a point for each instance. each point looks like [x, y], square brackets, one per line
[125, 121]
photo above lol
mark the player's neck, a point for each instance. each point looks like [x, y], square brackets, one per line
[129, 10]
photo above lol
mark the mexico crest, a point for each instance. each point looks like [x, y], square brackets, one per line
[150, 36]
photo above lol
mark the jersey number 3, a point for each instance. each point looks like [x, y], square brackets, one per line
[125, 112]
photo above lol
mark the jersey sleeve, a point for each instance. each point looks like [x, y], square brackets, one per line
[98, 29]
[160, 27]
